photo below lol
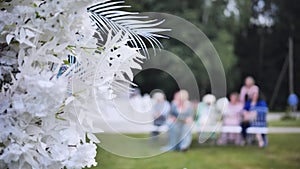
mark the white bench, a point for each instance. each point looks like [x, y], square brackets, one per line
[257, 130]
[218, 129]
[233, 129]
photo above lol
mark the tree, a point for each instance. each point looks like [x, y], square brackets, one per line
[209, 17]
[262, 50]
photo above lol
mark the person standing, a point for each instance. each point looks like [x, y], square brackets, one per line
[248, 90]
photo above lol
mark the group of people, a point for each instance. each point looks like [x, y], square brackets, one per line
[245, 109]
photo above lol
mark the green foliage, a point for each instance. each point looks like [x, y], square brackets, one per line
[211, 20]
[244, 48]
[262, 50]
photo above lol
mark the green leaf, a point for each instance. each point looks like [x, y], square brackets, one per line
[66, 62]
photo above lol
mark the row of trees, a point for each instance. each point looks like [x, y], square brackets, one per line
[251, 38]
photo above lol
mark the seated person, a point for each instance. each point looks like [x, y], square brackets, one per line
[207, 118]
[160, 111]
[232, 117]
[254, 115]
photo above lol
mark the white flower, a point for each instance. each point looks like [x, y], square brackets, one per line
[45, 111]
[84, 156]
[13, 152]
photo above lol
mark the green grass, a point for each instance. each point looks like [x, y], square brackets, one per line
[283, 152]
[285, 123]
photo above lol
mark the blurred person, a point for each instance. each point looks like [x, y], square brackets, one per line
[254, 115]
[207, 117]
[136, 92]
[176, 98]
[140, 103]
[180, 122]
[160, 109]
[248, 90]
[232, 117]
[222, 104]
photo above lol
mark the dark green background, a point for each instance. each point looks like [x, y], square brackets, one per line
[244, 48]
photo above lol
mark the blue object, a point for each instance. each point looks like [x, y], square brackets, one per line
[262, 109]
[293, 100]
[62, 70]
[72, 60]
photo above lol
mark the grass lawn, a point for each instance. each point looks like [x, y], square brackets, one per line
[285, 123]
[283, 152]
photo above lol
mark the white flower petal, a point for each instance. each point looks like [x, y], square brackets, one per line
[9, 37]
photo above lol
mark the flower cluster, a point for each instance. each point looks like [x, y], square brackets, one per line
[47, 112]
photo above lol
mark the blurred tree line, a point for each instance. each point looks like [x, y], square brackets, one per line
[250, 36]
